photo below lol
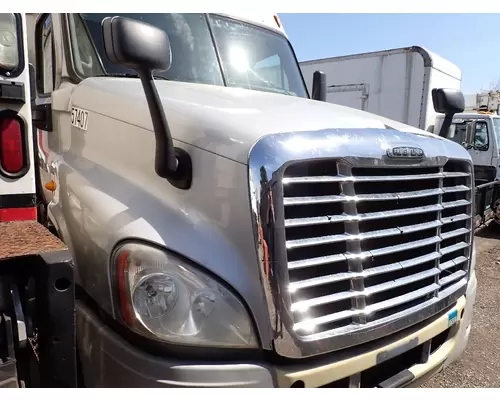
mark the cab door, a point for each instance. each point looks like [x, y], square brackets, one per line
[47, 140]
[482, 150]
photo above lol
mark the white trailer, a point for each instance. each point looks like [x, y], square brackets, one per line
[396, 83]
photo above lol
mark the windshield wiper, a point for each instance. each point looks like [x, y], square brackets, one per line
[129, 75]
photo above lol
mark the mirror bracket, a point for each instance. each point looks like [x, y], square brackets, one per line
[41, 116]
[445, 127]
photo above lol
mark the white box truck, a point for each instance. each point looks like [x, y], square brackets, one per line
[395, 84]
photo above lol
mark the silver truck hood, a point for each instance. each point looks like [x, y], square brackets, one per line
[225, 121]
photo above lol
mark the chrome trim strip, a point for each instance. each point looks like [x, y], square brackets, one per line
[455, 218]
[332, 298]
[311, 262]
[453, 262]
[322, 280]
[291, 201]
[435, 304]
[395, 178]
[298, 243]
[362, 217]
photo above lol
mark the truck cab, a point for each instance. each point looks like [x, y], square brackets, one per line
[229, 230]
[479, 133]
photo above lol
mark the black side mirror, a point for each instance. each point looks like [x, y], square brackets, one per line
[448, 102]
[136, 45]
[145, 49]
[319, 86]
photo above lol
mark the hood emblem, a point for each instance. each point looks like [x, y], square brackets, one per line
[405, 152]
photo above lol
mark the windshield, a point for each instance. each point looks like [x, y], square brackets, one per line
[206, 49]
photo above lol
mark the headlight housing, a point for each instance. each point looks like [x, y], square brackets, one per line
[164, 297]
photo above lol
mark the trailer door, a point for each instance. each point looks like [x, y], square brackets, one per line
[17, 180]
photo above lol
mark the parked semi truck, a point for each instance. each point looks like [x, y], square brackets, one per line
[229, 229]
[395, 83]
[479, 133]
[478, 130]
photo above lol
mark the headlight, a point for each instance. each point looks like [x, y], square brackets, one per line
[164, 297]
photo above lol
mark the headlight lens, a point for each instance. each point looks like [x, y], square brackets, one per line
[162, 296]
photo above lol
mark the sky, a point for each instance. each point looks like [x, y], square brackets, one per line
[468, 40]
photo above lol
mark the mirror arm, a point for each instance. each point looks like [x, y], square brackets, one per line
[166, 162]
[445, 127]
[173, 164]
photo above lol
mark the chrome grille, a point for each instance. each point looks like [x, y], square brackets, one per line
[367, 244]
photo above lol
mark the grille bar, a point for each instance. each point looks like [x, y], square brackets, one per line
[341, 178]
[361, 217]
[455, 218]
[452, 278]
[366, 245]
[291, 244]
[453, 248]
[322, 280]
[455, 233]
[375, 307]
[453, 263]
[306, 325]
[372, 197]
[367, 292]
[458, 203]
[377, 252]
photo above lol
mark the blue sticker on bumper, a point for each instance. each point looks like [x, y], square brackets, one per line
[452, 317]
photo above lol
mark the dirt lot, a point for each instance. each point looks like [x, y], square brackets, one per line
[479, 366]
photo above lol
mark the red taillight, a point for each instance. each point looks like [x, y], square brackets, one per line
[11, 146]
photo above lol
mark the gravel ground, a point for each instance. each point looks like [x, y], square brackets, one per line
[479, 365]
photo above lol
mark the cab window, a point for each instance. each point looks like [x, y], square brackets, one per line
[457, 132]
[45, 55]
[481, 137]
[85, 57]
[458, 129]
